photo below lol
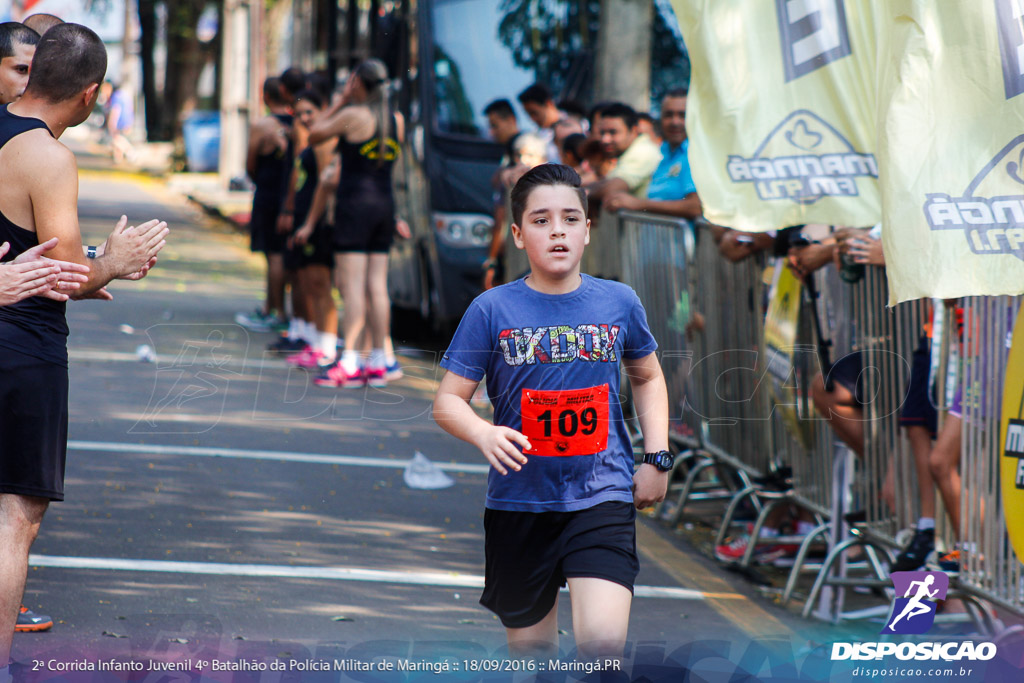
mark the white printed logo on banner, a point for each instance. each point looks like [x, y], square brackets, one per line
[991, 210]
[1010, 19]
[803, 159]
[813, 34]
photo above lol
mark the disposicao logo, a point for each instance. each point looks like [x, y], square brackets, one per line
[803, 159]
[914, 612]
[991, 210]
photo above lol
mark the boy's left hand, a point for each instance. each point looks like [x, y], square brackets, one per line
[649, 486]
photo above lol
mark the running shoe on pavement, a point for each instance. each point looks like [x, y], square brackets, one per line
[393, 371]
[916, 552]
[308, 358]
[376, 377]
[30, 621]
[286, 345]
[335, 375]
[258, 321]
[736, 548]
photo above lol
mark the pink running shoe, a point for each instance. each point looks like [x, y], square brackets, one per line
[334, 375]
[310, 359]
[376, 377]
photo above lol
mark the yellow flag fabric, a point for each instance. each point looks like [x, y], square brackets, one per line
[781, 111]
[951, 147]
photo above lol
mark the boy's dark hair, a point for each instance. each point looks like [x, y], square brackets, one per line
[542, 176]
[619, 110]
[293, 80]
[501, 108]
[68, 59]
[13, 33]
[272, 93]
[310, 95]
[573, 108]
[536, 93]
[574, 144]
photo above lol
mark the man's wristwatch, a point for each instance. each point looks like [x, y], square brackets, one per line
[662, 460]
[90, 252]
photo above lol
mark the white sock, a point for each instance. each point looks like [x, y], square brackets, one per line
[295, 329]
[925, 523]
[327, 344]
[377, 358]
[803, 528]
[310, 333]
[769, 532]
[350, 361]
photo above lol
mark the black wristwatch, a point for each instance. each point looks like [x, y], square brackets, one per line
[91, 252]
[662, 460]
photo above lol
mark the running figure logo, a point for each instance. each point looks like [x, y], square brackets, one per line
[913, 611]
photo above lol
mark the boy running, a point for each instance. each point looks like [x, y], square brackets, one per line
[562, 492]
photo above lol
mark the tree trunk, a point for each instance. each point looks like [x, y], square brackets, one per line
[624, 52]
[185, 60]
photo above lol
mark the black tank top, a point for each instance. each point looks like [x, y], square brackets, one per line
[363, 177]
[305, 184]
[36, 326]
[273, 171]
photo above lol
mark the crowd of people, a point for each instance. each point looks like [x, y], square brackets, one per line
[323, 214]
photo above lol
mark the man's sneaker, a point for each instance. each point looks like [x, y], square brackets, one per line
[258, 321]
[393, 371]
[285, 345]
[336, 376]
[376, 377]
[916, 552]
[30, 621]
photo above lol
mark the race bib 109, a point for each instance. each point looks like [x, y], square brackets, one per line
[568, 422]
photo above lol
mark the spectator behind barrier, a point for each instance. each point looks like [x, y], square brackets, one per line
[637, 157]
[649, 127]
[501, 119]
[541, 109]
[671, 190]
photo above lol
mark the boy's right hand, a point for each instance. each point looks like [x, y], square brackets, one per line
[498, 444]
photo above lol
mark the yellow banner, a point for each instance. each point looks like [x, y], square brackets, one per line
[781, 325]
[781, 111]
[951, 147]
[1012, 440]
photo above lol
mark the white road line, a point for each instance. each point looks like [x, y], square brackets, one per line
[438, 579]
[238, 453]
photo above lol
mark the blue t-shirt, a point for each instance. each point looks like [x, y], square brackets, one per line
[672, 179]
[529, 343]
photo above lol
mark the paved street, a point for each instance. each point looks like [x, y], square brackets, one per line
[220, 506]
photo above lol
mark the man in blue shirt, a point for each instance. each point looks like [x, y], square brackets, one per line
[671, 190]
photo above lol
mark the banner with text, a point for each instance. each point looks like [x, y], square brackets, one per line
[951, 147]
[781, 111]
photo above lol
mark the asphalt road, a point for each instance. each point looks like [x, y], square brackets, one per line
[222, 509]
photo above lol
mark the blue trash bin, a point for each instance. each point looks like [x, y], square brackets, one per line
[202, 141]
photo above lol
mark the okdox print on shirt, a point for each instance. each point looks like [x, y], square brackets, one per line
[559, 344]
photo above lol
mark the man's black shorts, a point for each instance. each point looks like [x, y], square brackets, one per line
[849, 372]
[918, 408]
[529, 556]
[33, 425]
[318, 251]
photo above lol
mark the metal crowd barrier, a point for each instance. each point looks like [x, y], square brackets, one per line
[989, 568]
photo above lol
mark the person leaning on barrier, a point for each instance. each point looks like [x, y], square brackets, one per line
[637, 157]
[671, 190]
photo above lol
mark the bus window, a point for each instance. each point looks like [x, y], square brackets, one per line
[488, 50]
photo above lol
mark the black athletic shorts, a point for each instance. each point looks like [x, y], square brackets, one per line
[263, 232]
[364, 227]
[849, 372]
[33, 425]
[918, 408]
[529, 556]
[318, 251]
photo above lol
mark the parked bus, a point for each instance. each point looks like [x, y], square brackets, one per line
[448, 59]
